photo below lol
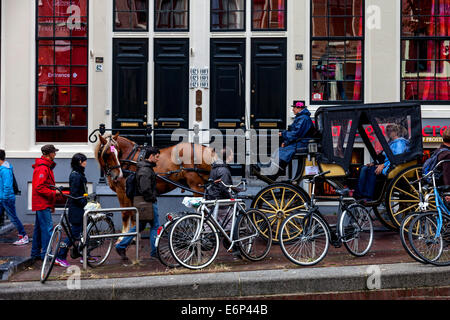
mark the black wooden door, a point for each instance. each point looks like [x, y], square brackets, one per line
[227, 83]
[171, 89]
[268, 87]
[227, 93]
[129, 103]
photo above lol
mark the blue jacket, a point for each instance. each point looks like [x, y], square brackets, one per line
[6, 181]
[298, 129]
[398, 146]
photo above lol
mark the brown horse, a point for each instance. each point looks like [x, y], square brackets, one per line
[185, 163]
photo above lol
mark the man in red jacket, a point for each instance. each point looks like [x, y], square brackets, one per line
[43, 200]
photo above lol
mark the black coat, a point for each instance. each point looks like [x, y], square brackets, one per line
[219, 170]
[78, 187]
[146, 180]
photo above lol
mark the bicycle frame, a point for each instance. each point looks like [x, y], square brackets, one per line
[237, 209]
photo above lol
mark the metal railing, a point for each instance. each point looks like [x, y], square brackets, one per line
[114, 235]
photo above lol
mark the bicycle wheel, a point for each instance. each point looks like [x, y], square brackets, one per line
[422, 237]
[50, 254]
[255, 244]
[98, 249]
[356, 230]
[162, 246]
[311, 241]
[192, 243]
[430, 247]
[404, 227]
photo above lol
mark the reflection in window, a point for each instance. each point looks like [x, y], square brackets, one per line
[269, 14]
[227, 15]
[62, 71]
[171, 15]
[130, 15]
[337, 43]
[425, 50]
[340, 131]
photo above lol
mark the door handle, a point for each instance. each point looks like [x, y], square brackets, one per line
[240, 80]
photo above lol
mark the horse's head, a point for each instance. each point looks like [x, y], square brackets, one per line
[109, 157]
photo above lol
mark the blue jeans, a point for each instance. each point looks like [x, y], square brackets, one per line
[76, 233]
[367, 181]
[142, 224]
[42, 233]
[9, 205]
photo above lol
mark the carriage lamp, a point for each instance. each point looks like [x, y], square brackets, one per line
[312, 147]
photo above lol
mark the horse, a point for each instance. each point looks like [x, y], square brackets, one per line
[185, 164]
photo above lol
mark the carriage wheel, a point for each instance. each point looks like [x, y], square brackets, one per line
[278, 201]
[402, 198]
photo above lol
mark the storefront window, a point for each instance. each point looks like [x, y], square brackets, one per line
[269, 14]
[227, 15]
[337, 43]
[171, 15]
[425, 43]
[131, 15]
[62, 71]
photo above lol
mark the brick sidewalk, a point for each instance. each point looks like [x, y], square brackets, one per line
[386, 249]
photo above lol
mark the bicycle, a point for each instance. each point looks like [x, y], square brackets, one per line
[194, 238]
[162, 241]
[98, 249]
[429, 233]
[306, 236]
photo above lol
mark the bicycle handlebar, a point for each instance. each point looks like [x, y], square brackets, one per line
[67, 195]
[431, 172]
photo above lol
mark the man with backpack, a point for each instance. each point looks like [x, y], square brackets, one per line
[144, 200]
[8, 198]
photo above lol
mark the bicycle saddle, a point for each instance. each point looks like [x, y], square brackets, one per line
[343, 192]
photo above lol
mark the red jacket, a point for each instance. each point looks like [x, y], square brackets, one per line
[42, 196]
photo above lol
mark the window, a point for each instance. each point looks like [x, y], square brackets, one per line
[337, 44]
[130, 15]
[227, 15]
[62, 71]
[171, 15]
[425, 41]
[269, 15]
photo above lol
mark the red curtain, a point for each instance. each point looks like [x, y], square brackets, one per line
[358, 73]
[442, 87]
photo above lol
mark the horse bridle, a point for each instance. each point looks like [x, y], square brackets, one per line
[107, 169]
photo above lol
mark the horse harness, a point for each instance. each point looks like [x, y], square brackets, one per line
[128, 161]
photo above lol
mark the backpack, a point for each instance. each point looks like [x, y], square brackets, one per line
[16, 186]
[430, 163]
[130, 186]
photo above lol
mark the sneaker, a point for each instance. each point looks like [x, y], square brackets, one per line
[90, 260]
[22, 241]
[62, 263]
[122, 254]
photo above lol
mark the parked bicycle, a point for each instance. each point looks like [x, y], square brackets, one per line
[429, 233]
[305, 236]
[194, 238]
[98, 249]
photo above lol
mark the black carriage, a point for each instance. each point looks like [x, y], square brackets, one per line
[339, 127]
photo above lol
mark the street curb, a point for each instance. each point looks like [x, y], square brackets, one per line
[6, 228]
[234, 284]
[13, 265]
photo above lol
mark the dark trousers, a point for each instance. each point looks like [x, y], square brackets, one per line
[366, 183]
[76, 230]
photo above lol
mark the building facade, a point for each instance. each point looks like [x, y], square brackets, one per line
[68, 66]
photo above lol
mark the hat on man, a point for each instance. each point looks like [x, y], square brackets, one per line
[48, 148]
[298, 104]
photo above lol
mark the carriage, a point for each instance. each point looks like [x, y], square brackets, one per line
[338, 129]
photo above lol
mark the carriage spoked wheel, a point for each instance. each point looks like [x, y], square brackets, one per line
[279, 201]
[402, 198]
